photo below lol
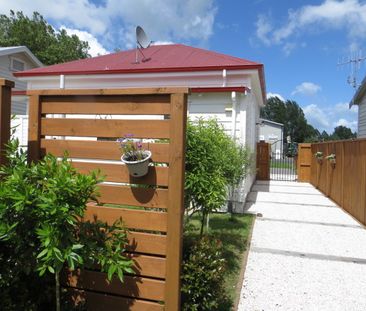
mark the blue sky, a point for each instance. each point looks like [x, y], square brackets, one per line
[299, 42]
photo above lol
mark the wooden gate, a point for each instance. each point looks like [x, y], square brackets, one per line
[304, 162]
[263, 161]
[87, 123]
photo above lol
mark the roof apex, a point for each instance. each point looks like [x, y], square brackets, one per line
[20, 49]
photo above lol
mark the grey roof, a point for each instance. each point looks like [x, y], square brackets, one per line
[20, 49]
[360, 93]
[271, 122]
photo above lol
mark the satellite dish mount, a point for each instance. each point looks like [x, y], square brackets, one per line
[142, 42]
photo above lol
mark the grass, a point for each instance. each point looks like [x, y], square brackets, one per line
[234, 233]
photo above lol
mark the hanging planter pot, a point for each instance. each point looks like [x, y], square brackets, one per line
[319, 157]
[137, 168]
[332, 159]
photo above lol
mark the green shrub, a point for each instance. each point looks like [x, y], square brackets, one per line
[41, 206]
[214, 164]
[203, 275]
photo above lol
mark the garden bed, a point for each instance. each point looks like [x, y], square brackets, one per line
[234, 232]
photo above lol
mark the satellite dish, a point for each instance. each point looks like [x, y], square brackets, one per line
[141, 38]
[142, 42]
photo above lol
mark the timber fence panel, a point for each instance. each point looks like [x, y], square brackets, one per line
[345, 181]
[85, 124]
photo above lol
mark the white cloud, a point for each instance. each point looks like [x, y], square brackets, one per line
[351, 124]
[344, 108]
[317, 117]
[269, 95]
[330, 14]
[78, 13]
[289, 47]
[264, 27]
[95, 47]
[327, 118]
[307, 88]
[114, 21]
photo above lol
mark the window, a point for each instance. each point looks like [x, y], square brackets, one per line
[16, 65]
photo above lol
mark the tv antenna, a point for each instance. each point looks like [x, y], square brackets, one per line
[142, 42]
[354, 61]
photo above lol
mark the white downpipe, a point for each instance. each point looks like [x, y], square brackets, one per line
[62, 86]
[62, 81]
[234, 113]
[224, 77]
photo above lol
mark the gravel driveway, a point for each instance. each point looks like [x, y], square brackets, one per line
[305, 254]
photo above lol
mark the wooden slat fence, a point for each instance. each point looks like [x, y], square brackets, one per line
[86, 124]
[344, 182]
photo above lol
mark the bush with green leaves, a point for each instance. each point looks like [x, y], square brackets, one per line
[214, 164]
[203, 275]
[41, 228]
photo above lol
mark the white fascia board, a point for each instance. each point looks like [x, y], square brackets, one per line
[234, 78]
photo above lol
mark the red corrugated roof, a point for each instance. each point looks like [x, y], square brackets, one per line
[164, 58]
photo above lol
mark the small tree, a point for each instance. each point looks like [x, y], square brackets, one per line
[214, 162]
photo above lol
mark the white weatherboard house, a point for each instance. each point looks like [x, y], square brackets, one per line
[228, 88]
[14, 59]
[272, 132]
[360, 99]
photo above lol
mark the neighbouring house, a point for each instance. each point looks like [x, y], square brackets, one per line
[272, 132]
[228, 88]
[359, 99]
[14, 59]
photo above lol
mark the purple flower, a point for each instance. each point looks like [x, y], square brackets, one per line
[139, 145]
[129, 135]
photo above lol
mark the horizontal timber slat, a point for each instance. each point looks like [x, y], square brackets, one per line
[154, 198]
[119, 173]
[147, 243]
[105, 128]
[101, 150]
[149, 266]
[98, 302]
[112, 105]
[133, 219]
[132, 286]
[130, 91]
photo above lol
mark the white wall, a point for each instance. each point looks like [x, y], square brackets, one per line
[251, 117]
[215, 105]
[361, 133]
[20, 123]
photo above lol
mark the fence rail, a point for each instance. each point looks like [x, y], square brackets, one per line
[345, 180]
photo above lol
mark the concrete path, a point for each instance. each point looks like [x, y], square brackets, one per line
[305, 253]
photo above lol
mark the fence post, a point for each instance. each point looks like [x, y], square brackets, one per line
[175, 200]
[5, 116]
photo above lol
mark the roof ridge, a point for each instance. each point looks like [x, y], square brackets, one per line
[220, 54]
